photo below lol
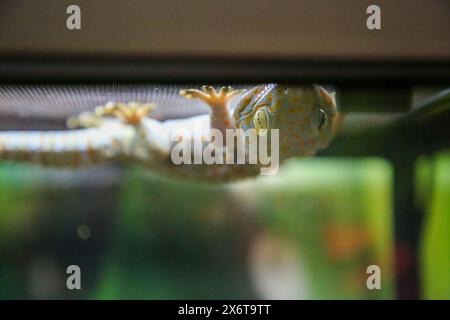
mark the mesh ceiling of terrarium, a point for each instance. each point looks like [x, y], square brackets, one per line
[57, 102]
[47, 106]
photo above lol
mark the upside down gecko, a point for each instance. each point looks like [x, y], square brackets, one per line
[123, 132]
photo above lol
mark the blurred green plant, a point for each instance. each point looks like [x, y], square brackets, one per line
[433, 179]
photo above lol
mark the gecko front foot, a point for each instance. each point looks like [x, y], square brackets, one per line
[217, 101]
[130, 113]
[210, 96]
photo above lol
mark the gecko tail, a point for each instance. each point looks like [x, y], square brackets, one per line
[71, 149]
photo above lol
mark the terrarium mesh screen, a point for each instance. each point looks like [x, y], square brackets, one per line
[57, 102]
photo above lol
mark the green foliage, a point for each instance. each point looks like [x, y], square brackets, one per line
[434, 174]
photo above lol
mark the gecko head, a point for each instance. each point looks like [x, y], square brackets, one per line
[303, 115]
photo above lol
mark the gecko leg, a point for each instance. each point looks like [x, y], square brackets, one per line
[217, 101]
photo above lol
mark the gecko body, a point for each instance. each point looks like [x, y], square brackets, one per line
[123, 133]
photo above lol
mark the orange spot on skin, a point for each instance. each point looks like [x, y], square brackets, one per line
[134, 119]
[115, 143]
[246, 100]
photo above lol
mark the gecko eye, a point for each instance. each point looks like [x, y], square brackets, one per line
[261, 120]
[323, 119]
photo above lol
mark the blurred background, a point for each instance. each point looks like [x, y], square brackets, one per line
[309, 232]
[378, 196]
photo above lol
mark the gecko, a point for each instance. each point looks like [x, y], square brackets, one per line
[124, 133]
